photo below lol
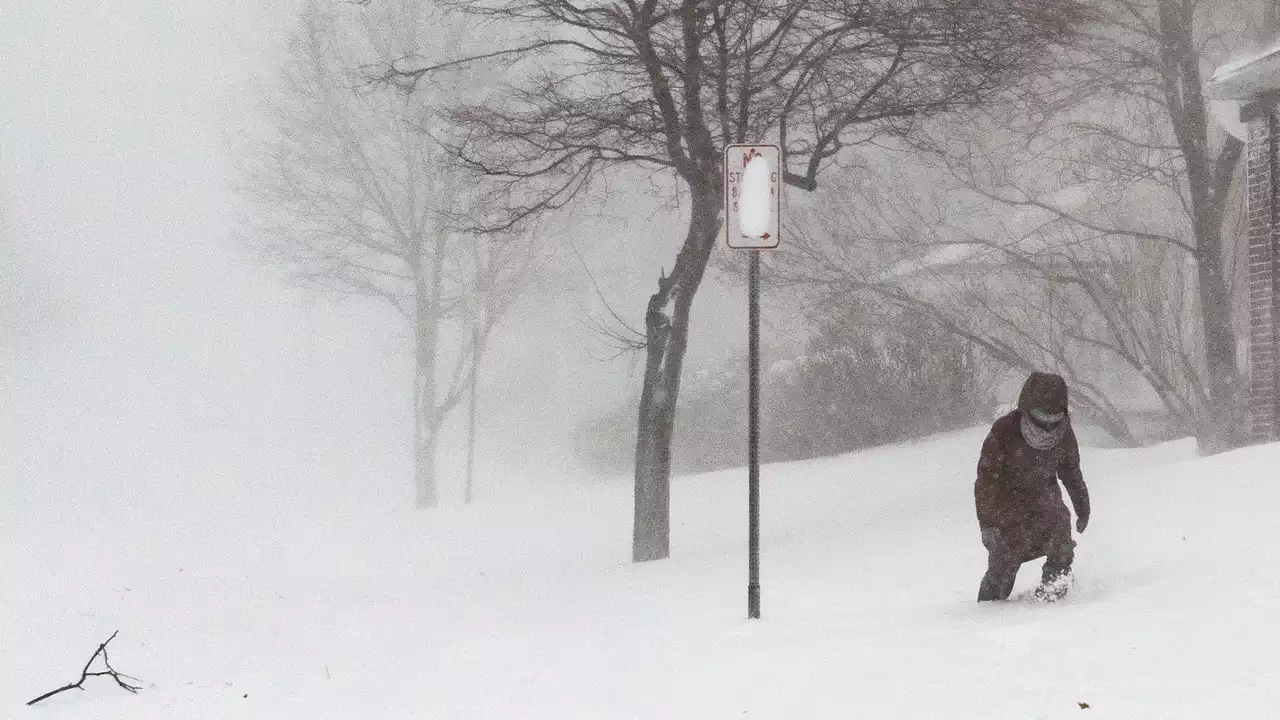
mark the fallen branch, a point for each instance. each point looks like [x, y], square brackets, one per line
[85, 674]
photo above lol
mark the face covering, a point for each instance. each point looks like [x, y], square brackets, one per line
[1047, 420]
[1044, 430]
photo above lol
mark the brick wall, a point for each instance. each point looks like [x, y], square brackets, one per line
[1264, 275]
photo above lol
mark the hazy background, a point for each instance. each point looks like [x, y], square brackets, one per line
[141, 347]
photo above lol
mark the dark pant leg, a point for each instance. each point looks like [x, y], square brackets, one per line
[1004, 557]
[997, 584]
[1058, 544]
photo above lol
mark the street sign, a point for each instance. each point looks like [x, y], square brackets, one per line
[752, 194]
[736, 159]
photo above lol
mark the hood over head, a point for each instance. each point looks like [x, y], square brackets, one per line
[1045, 392]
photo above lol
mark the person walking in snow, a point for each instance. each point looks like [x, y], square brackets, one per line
[1020, 509]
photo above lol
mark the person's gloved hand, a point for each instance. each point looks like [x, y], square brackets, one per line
[1082, 522]
[990, 536]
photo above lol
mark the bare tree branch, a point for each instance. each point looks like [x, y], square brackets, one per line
[85, 674]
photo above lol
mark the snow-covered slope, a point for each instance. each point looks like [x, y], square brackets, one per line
[270, 607]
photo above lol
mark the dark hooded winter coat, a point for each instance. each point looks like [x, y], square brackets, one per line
[1017, 486]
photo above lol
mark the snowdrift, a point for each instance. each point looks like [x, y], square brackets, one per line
[259, 604]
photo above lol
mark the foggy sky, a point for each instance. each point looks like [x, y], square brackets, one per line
[140, 345]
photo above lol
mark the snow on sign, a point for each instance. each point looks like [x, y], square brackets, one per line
[739, 208]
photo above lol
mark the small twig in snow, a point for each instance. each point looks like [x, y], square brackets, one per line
[85, 674]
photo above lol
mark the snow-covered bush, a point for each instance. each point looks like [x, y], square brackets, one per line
[861, 381]
[867, 381]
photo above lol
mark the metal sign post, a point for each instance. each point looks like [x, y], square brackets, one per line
[753, 436]
[752, 204]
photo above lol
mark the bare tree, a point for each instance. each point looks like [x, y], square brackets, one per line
[666, 84]
[1107, 186]
[1084, 307]
[1154, 171]
[350, 193]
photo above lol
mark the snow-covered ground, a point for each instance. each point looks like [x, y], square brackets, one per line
[269, 605]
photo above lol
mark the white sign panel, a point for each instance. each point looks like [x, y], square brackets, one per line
[736, 159]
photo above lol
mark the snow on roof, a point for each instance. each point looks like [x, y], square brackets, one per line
[951, 254]
[1070, 197]
[1240, 63]
[947, 255]
[1249, 75]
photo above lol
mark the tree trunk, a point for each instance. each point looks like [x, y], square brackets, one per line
[667, 335]
[426, 416]
[1208, 182]
[476, 353]
[1221, 366]
[1225, 423]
